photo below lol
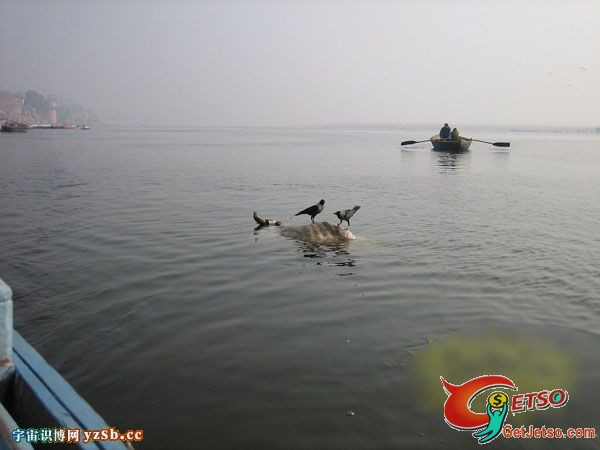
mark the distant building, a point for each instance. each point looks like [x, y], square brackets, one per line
[11, 106]
[52, 116]
[34, 108]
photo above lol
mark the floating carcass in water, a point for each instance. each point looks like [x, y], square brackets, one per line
[317, 233]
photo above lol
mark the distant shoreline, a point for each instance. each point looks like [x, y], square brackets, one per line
[367, 127]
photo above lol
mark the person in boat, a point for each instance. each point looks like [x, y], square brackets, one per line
[445, 132]
[454, 135]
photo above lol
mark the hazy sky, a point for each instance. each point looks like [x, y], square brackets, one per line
[310, 62]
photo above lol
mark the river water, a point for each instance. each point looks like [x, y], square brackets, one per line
[137, 273]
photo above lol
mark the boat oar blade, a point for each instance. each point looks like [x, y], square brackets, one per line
[496, 144]
[413, 142]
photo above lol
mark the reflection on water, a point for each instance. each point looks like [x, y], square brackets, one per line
[337, 255]
[500, 156]
[260, 229]
[332, 255]
[450, 161]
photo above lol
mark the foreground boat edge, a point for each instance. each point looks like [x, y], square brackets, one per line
[34, 395]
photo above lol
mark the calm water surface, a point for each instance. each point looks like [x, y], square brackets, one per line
[137, 273]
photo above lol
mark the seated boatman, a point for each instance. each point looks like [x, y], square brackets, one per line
[454, 135]
[445, 132]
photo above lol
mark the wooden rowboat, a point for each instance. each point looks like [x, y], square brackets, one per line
[447, 145]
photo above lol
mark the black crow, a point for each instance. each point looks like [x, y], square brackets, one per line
[345, 215]
[313, 210]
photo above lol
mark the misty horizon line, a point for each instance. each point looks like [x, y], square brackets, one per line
[110, 119]
[368, 125]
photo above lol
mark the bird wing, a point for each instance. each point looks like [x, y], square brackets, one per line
[350, 212]
[310, 210]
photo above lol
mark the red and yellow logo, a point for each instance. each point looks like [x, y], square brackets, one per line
[459, 415]
[457, 408]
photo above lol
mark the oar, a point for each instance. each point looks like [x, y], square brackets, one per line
[495, 144]
[413, 142]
